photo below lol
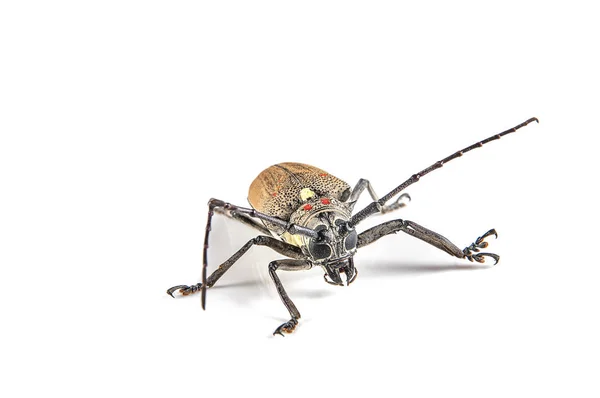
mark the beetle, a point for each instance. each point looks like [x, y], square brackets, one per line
[306, 215]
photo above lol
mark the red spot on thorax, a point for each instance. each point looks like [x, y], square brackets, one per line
[323, 174]
[307, 207]
[274, 194]
[325, 201]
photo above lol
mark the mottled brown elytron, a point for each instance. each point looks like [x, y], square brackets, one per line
[277, 190]
[306, 215]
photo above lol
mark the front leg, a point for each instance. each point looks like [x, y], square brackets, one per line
[287, 265]
[268, 241]
[470, 252]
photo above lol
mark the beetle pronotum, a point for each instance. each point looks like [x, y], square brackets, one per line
[306, 215]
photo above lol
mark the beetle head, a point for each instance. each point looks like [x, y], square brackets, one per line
[336, 242]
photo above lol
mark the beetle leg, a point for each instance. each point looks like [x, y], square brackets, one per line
[184, 290]
[277, 245]
[470, 252]
[219, 204]
[366, 184]
[287, 265]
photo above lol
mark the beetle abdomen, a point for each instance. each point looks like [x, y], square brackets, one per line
[276, 190]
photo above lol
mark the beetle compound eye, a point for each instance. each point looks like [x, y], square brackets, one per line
[351, 240]
[319, 251]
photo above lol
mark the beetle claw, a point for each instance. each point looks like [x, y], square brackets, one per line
[472, 252]
[287, 327]
[184, 290]
[479, 257]
[398, 204]
[488, 233]
[172, 290]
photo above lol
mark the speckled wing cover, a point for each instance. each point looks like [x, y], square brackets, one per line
[276, 190]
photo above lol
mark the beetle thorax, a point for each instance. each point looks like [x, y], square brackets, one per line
[315, 208]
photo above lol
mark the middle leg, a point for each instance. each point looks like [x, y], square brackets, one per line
[366, 184]
[287, 265]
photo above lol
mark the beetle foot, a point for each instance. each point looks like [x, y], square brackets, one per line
[185, 290]
[398, 204]
[479, 257]
[287, 327]
[472, 252]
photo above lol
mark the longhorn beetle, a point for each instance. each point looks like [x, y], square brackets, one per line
[309, 213]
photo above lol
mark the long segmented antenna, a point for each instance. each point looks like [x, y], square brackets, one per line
[375, 206]
[213, 203]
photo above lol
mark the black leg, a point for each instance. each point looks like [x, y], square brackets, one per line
[287, 265]
[215, 204]
[365, 184]
[470, 252]
[277, 245]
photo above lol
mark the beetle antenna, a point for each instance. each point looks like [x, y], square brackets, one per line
[211, 211]
[375, 206]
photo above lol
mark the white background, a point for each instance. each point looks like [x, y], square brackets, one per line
[120, 119]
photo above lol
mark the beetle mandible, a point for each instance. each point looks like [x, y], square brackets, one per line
[306, 214]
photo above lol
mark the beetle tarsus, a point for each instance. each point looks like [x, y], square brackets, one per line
[472, 252]
[479, 257]
[184, 290]
[398, 204]
[287, 327]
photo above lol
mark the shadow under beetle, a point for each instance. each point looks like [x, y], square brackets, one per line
[310, 211]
